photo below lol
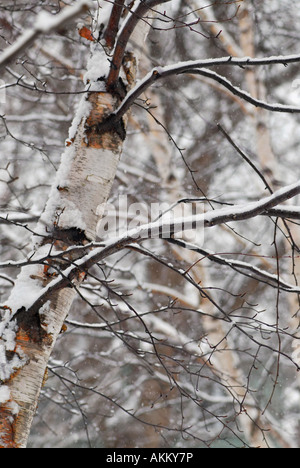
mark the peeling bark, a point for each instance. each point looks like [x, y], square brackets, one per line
[83, 183]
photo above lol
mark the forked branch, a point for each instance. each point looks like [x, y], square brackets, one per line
[135, 15]
[200, 67]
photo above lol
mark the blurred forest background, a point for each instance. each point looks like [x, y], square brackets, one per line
[149, 357]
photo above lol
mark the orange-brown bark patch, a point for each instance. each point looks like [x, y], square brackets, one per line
[103, 105]
[6, 428]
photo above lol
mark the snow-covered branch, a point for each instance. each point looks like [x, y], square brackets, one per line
[241, 267]
[251, 210]
[160, 229]
[200, 67]
[285, 212]
[183, 67]
[216, 217]
[213, 320]
[243, 94]
[45, 24]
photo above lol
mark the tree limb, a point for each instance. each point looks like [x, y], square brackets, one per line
[136, 14]
[243, 94]
[199, 67]
[241, 267]
[159, 229]
[112, 28]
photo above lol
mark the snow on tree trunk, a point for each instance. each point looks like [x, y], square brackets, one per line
[35, 312]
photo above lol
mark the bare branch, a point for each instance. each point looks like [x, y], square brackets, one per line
[245, 157]
[113, 24]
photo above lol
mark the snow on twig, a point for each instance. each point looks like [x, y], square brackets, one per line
[242, 267]
[217, 217]
[244, 95]
[157, 230]
[45, 24]
[199, 67]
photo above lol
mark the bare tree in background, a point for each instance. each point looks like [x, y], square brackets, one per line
[131, 330]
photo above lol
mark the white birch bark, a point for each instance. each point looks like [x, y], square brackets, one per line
[83, 183]
[269, 162]
[225, 364]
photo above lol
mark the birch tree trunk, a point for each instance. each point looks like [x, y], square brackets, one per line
[224, 361]
[268, 160]
[36, 310]
[33, 316]
[256, 87]
[270, 163]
